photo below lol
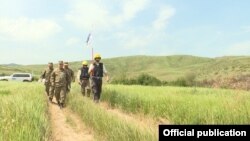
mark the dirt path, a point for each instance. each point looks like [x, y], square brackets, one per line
[67, 126]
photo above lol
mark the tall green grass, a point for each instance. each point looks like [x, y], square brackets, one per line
[23, 112]
[106, 126]
[182, 105]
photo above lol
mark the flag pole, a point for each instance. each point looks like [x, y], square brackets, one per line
[92, 53]
[92, 48]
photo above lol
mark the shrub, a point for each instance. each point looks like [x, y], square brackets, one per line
[179, 82]
[143, 79]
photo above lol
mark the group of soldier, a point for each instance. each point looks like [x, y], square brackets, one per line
[58, 81]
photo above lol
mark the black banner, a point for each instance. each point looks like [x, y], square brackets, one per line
[204, 132]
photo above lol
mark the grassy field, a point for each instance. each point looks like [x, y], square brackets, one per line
[182, 105]
[23, 112]
[107, 126]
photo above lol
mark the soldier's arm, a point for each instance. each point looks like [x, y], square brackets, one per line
[67, 79]
[91, 67]
[73, 76]
[43, 74]
[105, 72]
[52, 78]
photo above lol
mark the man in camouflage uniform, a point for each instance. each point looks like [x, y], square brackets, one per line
[97, 70]
[83, 78]
[70, 73]
[46, 75]
[60, 80]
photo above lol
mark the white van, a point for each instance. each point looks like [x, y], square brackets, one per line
[24, 77]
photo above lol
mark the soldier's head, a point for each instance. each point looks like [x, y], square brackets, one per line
[66, 65]
[60, 64]
[50, 65]
[97, 57]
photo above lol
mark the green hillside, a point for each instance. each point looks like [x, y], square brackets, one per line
[163, 67]
[225, 67]
[6, 70]
[173, 67]
[166, 68]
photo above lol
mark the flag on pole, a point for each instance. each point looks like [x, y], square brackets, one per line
[88, 39]
[88, 44]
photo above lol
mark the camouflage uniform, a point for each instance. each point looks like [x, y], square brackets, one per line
[46, 75]
[71, 76]
[83, 78]
[60, 80]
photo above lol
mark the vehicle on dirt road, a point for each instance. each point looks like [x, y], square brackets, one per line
[23, 77]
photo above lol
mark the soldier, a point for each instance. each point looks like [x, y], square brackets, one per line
[97, 70]
[70, 73]
[83, 78]
[60, 80]
[46, 76]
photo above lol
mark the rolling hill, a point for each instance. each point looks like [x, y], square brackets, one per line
[165, 68]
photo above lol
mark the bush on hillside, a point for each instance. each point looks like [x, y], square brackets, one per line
[190, 79]
[2, 74]
[179, 82]
[187, 80]
[143, 79]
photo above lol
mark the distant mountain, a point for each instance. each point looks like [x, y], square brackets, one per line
[11, 65]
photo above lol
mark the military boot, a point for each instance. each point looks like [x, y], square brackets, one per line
[59, 105]
[50, 100]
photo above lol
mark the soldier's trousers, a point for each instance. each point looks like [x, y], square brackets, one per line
[97, 88]
[85, 86]
[60, 93]
[51, 92]
[68, 88]
[47, 87]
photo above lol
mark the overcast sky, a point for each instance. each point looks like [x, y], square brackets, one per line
[39, 31]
